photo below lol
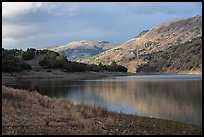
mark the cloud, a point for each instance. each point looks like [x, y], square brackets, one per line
[58, 8]
[17, 31]
[9, 43]
[10, 9]
[39, 24]
[13, 9]
[24, 21]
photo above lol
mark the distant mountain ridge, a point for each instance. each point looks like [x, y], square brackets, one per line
[138, 51]
[81, 49]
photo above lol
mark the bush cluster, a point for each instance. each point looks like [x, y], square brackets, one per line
[55, 60]
[10, 63]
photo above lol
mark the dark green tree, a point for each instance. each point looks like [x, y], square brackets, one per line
[113, 63]
[29, 54]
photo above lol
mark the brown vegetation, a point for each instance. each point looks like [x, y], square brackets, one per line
[182, 57]
[135, 52]
[26, 112]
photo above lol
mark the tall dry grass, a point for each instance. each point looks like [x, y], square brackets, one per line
[41, 112]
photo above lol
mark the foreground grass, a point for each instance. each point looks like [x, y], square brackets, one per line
[26, 112]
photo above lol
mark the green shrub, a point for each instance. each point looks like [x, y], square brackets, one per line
[25, 66]
[29, 54]
[12, 64]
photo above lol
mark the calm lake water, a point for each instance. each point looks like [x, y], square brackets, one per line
[173, 97]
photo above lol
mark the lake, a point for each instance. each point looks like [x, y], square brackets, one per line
[173, 97]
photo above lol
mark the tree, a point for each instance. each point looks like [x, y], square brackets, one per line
[100, 64]
[113, 63]
[60, 61]
[10, 63]
[29, 54]
[25, 66]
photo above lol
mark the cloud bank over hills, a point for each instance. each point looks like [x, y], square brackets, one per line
[40, 24]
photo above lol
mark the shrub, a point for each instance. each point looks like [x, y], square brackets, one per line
[29, 54]
[25, 66]
[12, 64]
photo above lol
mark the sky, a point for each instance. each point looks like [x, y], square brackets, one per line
[44, 24]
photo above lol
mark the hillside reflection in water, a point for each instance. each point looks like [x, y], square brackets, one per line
[175, 99]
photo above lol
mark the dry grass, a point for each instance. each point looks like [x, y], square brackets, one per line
[26, 112]
[45, 115]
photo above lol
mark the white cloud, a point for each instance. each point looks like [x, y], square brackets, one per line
[20, 21]
[16, 30]
[9, 42]
[27, 24]
[69, 8]
[10, 9]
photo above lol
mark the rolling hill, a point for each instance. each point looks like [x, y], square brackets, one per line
[139, 50]
[81, 49]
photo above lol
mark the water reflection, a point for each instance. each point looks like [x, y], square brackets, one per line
[179, 100]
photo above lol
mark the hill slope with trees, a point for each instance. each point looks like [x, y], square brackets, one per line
[138, 51]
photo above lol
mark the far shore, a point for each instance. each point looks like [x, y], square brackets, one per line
[60, 74]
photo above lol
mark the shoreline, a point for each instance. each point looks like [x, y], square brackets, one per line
[59, 74]
[25, 112]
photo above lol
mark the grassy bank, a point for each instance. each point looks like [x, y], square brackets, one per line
[26, 112]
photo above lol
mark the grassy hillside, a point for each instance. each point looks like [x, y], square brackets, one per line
[133, 53]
